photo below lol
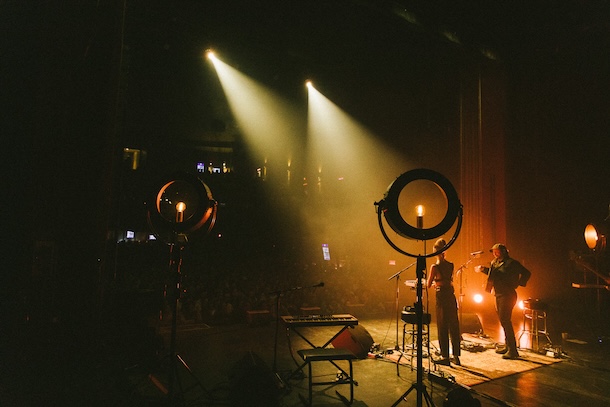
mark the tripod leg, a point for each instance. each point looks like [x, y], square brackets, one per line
[405, 394]
[427, 397]
[197, 381]
[421, 391]
[176, 396]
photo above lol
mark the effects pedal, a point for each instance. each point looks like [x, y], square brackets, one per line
[441, 378]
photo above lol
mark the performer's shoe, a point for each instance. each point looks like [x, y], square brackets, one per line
[443, 362]
[511, 355]
[502, 351]
[456, 361]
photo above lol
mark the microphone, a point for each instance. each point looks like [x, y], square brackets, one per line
[477, 253]
[320, 284]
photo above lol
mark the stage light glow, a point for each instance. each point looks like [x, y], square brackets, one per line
[595, 236]
[420, 216]
[180, 208]
[591, 237]
[477, 298]
[211, 55]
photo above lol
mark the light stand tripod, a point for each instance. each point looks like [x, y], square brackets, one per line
[389, 206]
[419, 313]
[181, 206]
[175, 264]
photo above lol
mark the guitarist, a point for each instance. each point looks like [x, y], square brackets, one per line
[503, 277]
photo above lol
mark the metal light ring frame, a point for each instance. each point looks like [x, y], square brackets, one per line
[389, 206]
[204, 212]
[447, 246]
[398, 224]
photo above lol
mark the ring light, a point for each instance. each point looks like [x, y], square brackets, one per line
[389, 206]
[181, 206]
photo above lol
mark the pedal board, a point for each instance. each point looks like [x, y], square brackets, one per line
[441, 378]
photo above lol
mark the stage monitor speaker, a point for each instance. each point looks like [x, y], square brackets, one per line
[460, 397]
[357, 340]
[252, 383]
[471, 324]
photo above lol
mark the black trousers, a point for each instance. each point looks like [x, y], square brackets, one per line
[504, 307]
[447, 322]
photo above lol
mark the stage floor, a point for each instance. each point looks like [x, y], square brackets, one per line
[250, 364]
[232, 360]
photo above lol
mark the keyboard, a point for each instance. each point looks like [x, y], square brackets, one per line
[320, 320]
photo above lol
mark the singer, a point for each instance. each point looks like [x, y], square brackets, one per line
[441, 275]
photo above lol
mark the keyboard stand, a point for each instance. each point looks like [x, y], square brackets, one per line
[295, 327]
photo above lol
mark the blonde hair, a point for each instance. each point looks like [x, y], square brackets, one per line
[439, 244]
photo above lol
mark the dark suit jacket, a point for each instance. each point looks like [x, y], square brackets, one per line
[506, 275]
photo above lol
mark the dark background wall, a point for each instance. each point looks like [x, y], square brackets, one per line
[82, 82]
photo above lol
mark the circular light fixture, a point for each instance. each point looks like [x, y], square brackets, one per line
[181, 206]
[390, 208]
[595, 236]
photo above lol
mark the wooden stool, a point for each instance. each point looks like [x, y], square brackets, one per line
[410, 335]
[409, 343]
[330, 355]
[535, 312]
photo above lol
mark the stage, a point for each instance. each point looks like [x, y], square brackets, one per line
[229, 360]
[242, 364]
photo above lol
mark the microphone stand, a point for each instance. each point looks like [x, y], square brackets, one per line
[461, 295]
[397, 276]
[278, 294]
